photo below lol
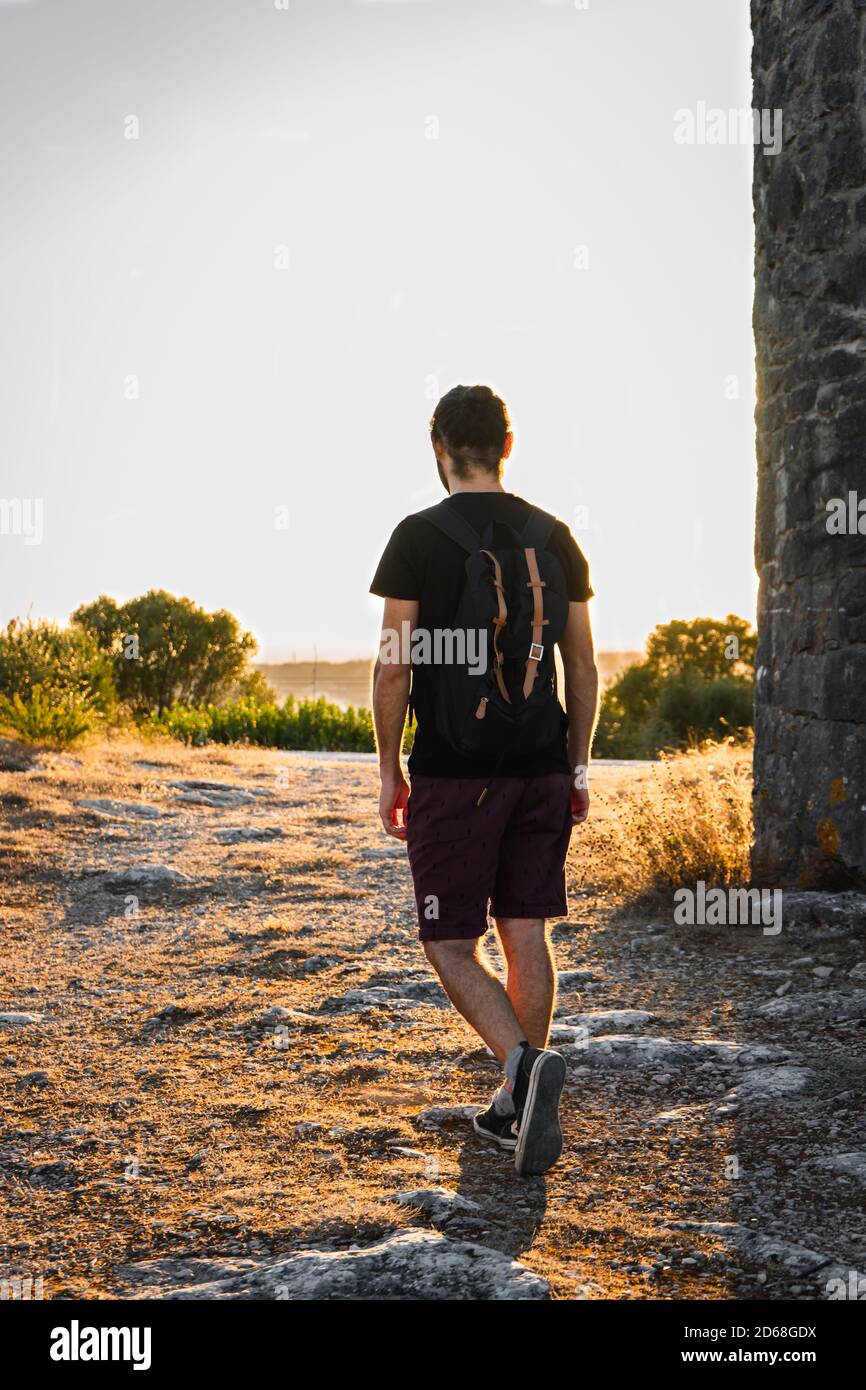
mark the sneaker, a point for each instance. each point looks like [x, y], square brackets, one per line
[537, 1088]
[501, 1129]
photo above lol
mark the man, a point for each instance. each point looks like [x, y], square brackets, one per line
[486, 830]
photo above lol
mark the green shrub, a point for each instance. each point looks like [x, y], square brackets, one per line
[696, 709]
[714, 648]
[165, 650]
[308, 725]
[56, 717]
[687, 710]
[695, 684]
[57, 659]
[255, 687]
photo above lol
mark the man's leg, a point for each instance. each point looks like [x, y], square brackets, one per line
[531, 983]
[529, 888]
[456, 857]
[532, 1091]
[476, 992]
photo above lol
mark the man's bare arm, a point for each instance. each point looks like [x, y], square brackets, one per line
[581, 699]
[391, 679]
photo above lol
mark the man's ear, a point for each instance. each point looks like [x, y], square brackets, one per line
[443, 476]
[509, 440]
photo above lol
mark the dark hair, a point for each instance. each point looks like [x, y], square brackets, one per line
[471, 423]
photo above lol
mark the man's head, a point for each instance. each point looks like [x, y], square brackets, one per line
[471, 434]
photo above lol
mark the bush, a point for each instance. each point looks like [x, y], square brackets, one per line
[254, 687]
[56, 717]
[57, 659]
[708, 647]
[165, 650]
[686, 691]
[55, 684]
[308, 725]
[687, 710]
[694, 709]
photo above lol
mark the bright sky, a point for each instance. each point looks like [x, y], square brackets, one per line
[332, 213]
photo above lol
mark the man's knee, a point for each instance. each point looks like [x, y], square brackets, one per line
[523, 935]
[446, 955]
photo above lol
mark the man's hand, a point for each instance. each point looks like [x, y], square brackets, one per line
[579, 794]
[581, 703]
[393, 800]
[579, 804]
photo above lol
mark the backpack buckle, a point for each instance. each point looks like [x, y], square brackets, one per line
[536, 651]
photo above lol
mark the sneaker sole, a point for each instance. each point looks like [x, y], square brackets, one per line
[539, 1142]
[510, 1144]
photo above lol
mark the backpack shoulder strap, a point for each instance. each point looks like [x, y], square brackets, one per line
[537, 530]
[452, 524]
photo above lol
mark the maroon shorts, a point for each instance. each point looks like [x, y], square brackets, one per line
[509, 852]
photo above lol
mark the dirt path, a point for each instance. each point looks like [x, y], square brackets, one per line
[239, 1054]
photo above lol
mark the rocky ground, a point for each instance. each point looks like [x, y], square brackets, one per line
[228, 1072]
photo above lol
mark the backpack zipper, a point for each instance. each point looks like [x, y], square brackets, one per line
[482, 708]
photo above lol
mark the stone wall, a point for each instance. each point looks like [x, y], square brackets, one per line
[809, 60]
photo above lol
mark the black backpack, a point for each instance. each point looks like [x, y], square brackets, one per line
[516, 600]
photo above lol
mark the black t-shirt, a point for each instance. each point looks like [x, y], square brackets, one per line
[421, 563]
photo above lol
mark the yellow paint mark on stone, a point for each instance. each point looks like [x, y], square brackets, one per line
[837, 791]
[828, 836]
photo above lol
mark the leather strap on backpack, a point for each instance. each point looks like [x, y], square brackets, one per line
[539, 622]
[498, 623]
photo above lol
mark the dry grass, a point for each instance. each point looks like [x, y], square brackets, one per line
[686, 818]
